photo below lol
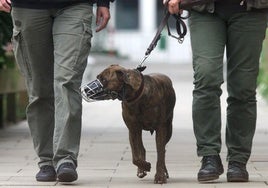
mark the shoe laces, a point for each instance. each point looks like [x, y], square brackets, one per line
[67, 165]
[235, 164]
[46, 168]
[212, 159]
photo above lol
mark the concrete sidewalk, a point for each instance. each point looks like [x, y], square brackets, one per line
[105, 155]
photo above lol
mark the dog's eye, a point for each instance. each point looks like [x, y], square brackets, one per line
[103, 81]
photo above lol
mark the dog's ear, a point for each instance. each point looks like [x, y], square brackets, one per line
[123, 76]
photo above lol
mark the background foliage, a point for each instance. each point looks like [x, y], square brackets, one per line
[263, 74]
[5, 37]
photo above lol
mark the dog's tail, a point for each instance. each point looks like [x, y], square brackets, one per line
[169, 128]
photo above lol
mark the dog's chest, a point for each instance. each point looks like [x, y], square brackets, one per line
[144, 117]
[150, 119]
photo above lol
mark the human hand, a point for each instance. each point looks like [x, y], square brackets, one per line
[5, 5]
[102, 18]
[173, 6]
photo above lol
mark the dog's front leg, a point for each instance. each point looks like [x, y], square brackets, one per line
[138, 153]
[161, 170]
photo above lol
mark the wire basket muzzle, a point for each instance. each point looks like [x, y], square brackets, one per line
[93, 91]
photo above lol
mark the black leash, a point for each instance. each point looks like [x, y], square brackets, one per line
[181, 31]
[180, 26]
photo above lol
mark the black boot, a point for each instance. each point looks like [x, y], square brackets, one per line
[211, 168]
[237, 172]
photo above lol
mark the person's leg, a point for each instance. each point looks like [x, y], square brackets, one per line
[245, 36]
[246, 33]
[208, 42]
[72, 41]
[208, 38]
[32, 41]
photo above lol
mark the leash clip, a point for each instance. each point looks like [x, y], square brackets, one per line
[141, 67]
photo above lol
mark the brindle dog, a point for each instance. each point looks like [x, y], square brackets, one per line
[147, 102]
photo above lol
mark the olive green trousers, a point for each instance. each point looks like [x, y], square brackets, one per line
[51, 48]
[241, 34]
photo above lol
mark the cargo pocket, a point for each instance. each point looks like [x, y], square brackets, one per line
[84, 47]
[87, 37]
[20, 55]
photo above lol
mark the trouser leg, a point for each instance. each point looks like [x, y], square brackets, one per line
[72, 38]
[33, 47]
[43, 43]
[245, 36]
[208, 42]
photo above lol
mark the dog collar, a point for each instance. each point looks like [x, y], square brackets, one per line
[139, 92]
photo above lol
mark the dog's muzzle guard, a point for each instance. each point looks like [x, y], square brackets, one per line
[93, 91]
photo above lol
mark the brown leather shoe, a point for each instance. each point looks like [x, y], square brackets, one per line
[237, 172]
[211, 168]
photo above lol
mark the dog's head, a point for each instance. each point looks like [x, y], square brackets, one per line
[114, 82]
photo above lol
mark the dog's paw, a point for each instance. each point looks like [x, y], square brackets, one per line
[144, 165]
[141, 173]
[160, 178]
[147, 166]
